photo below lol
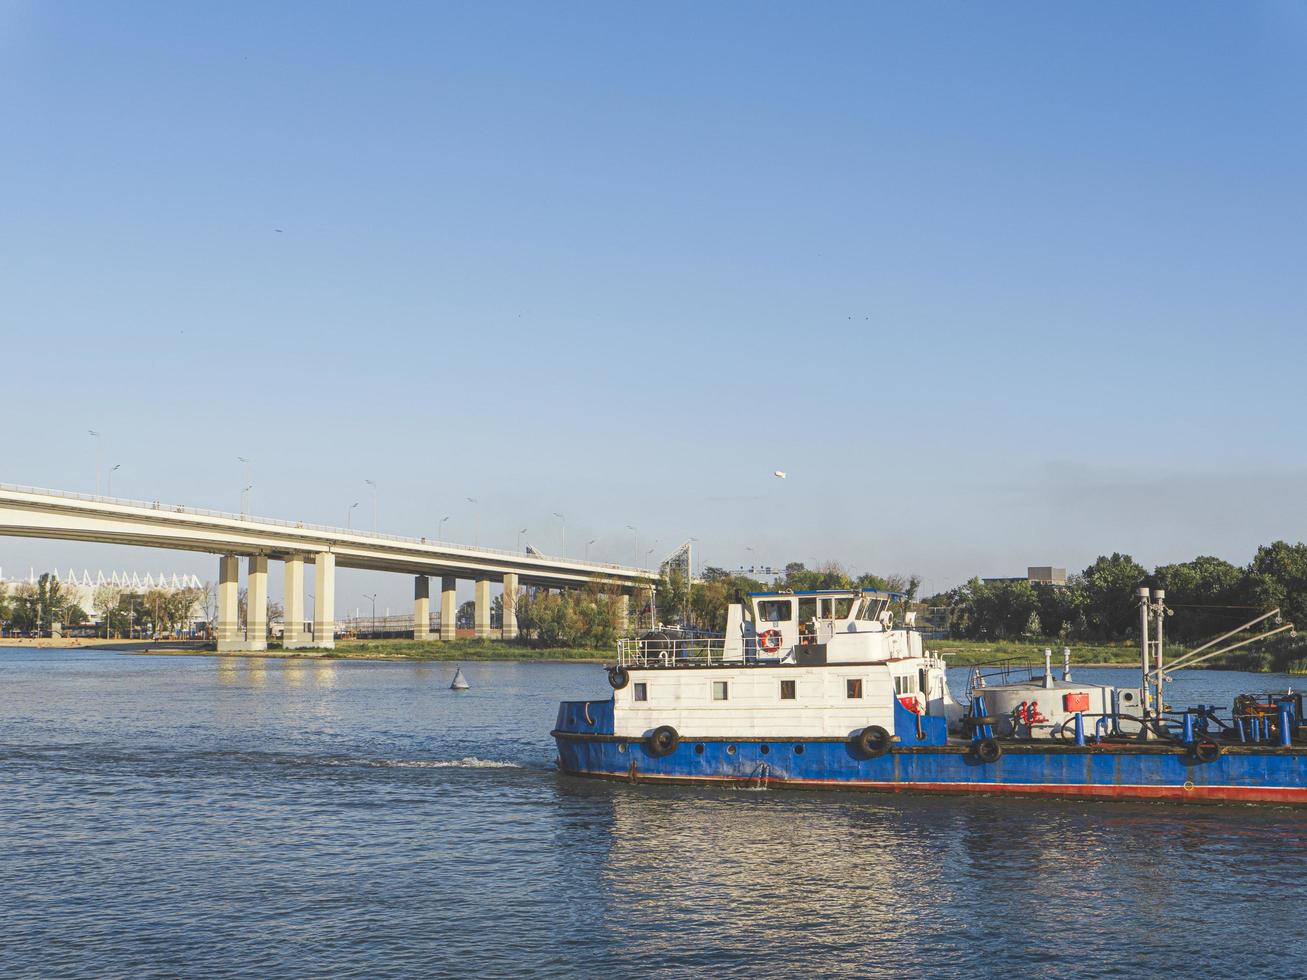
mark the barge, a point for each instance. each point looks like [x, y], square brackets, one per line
[823, 690]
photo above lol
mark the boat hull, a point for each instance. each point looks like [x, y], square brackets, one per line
[1253, 773]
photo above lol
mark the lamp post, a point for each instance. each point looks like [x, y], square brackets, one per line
[373, 485]
[440, 528]
[562, 534]
[587, 547]
[109, 490]
[245, 499]
[99, 456]
[635, 544]
[476, 515]
[373, 597]
[349, 515]
[519, 538]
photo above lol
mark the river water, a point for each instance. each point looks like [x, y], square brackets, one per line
[164, 816]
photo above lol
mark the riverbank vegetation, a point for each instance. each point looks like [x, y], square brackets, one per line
[1099, 608]
[442, 650]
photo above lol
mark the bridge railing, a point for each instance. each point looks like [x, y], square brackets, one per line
[306, 526]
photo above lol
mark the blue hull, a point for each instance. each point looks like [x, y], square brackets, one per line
[1250, 773]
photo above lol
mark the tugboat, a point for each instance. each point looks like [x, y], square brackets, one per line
[821, 690]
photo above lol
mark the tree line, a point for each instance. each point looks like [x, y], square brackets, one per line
[35, 607]
[1209, 596]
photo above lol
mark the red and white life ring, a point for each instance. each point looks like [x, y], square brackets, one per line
[769, 640]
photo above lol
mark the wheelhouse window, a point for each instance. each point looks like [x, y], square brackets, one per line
[853, 687]
[640, 691]
[843, 606]
[775, 610]
[787, 690]
[720, 690]
[807, 609]
[873, 607]
[905, 684]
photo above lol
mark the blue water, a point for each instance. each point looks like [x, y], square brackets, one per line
[204, 817]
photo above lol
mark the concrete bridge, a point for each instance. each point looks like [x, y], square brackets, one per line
[35, 513]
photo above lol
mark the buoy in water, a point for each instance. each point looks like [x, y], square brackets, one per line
[460, 682]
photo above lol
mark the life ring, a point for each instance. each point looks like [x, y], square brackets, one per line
[769, 641]
[873, 741]
[618, 677]
[1206, 750]
[988, 750]
[663, 740]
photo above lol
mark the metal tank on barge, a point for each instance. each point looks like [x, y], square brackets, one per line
[822, 689]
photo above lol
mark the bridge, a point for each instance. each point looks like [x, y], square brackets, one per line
[36, 513]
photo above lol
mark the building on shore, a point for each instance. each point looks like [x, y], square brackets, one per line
[1035, 575]
[82, 589]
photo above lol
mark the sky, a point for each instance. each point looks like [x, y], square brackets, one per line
[994, 284]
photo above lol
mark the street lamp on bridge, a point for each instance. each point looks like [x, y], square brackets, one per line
[562, 535]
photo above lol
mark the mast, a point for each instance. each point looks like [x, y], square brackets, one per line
[1143, 654]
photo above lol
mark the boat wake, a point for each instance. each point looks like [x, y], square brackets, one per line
[467, 762]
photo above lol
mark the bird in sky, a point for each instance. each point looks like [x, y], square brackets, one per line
[779, 474]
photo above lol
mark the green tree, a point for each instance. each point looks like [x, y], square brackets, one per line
[25, 608]
[1111, 602]
[1205, 594]
[50, 601]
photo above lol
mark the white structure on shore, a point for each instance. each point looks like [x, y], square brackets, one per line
[81, 588]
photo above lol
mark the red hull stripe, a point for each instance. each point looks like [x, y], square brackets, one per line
[1243, 794]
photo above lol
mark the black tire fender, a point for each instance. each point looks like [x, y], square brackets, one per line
[1206, 750]
[988, 750]
[618, 677]
[872, 742]
[662, 741]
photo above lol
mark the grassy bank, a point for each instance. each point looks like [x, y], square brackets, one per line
[965, 653]
[444, 650]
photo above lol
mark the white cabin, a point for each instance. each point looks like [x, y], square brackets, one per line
[791, 664]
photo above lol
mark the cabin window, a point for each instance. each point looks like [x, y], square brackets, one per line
[853, 687]
[775, 610]
[807, 610]
[843, 606]
[787, 690]
[720, 690]
[872, 610]
[641, 690]
[905, 684]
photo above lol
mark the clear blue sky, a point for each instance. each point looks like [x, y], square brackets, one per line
[996, 284]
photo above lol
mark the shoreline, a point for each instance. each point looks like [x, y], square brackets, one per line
[441, 652]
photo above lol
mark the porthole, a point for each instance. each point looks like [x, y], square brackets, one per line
[765, 749]
[698, 749]
[621, 746]
[730, 750]
[798, 750]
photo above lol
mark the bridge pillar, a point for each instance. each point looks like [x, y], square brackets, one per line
[228, 632]
[293, 636]
[256, 604]
[481, 616]
[324, 600]
[421, 608]
[509, 631]
[624, 613]
[448, 607]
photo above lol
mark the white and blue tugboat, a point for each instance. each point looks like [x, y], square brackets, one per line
[821, 690]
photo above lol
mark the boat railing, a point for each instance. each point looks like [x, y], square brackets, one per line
[1009, 671]
[683, 651]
